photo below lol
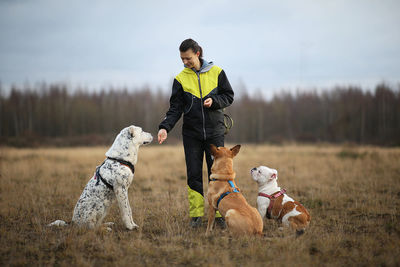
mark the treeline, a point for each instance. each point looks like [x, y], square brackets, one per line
[54, 115]
[57, 115]
[343, 114]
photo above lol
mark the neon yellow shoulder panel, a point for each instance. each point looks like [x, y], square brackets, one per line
[208, 81]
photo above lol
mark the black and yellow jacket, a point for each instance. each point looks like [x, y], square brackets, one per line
[189, 90]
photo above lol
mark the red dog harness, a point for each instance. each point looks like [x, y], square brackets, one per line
[272, 200]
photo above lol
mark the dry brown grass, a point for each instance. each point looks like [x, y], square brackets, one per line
[352, 193]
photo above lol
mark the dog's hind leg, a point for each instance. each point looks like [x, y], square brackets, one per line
[298, 223]
[121, 194]
[237, 224]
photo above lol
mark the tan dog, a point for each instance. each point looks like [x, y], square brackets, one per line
[272, 201]
[224, 196]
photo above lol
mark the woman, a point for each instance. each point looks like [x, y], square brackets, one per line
[200, 92]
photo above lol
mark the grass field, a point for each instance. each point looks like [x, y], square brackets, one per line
[352, 193]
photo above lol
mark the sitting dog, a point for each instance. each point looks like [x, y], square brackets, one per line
[272, 202]
[224, 196]
[111, 181]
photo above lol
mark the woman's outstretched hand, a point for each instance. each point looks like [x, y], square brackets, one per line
[162, 136]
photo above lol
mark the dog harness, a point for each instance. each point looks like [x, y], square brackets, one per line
[235, 190]
[99, 178]
[272, 199]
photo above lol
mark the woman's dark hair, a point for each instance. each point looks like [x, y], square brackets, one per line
[191, 44]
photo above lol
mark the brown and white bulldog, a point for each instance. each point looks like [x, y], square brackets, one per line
[224, 196]
[272, 201]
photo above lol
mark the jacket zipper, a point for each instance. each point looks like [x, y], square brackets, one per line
[201, 103]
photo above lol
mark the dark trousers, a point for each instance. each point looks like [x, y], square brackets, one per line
[194, 155]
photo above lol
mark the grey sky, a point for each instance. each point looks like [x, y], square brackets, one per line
[266, 45]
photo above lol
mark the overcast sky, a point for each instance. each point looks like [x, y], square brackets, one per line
[265, 45]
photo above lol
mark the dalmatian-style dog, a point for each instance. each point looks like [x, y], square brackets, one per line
[111, 181]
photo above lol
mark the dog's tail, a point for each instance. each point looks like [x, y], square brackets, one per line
[58, 223]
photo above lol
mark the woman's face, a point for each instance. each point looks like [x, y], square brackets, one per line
[191, 59]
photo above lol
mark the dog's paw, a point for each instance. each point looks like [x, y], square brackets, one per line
[208, 231]
[109, 224]
[57, 223]
[132, 227]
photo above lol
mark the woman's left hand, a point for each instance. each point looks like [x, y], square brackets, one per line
[208, 102]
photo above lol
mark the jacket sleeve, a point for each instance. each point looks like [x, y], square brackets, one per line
[224, 98]
[175, 107]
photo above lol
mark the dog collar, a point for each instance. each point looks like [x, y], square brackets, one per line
[272, 200]
[126, 163]
[223, 177]
[235, 190]
[221, 180]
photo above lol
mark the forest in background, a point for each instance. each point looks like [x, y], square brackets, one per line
[56, 115]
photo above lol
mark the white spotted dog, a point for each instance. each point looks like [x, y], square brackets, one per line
[273, 202]
[111, 181]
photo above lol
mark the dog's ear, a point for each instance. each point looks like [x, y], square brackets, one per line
[131, 131]
[274, 175]
[213, 150]
[235, 150]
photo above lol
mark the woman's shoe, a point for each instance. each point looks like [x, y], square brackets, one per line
[220, 222]
[195, 222]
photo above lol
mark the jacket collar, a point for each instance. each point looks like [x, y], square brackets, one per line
[205, 66]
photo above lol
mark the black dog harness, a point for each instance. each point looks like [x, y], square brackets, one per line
[99, 178]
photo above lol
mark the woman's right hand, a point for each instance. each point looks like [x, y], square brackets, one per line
[162, 135]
